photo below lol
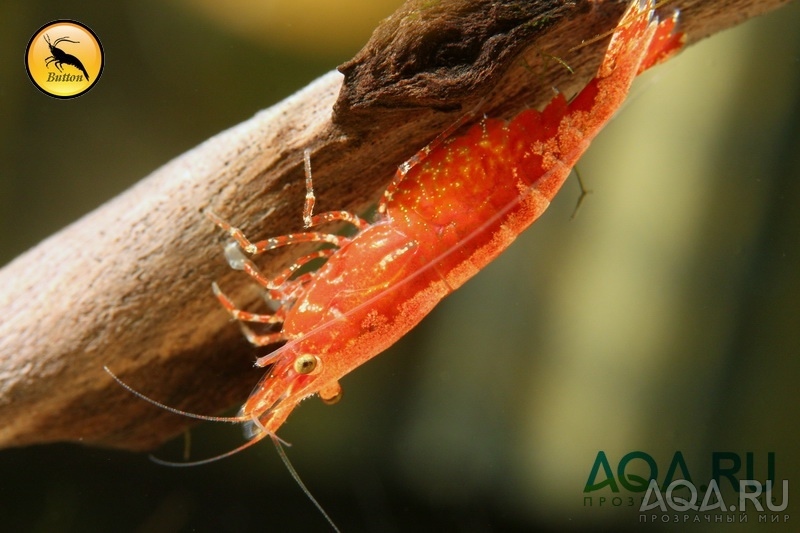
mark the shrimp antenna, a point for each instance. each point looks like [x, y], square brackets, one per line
[207, 418]
[279, 443]
[296, 476]
[229, 419]
[254, 440]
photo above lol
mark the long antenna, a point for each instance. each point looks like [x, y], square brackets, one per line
[230, 419]
[296, 476]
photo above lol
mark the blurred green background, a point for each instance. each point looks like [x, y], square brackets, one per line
[663, 318]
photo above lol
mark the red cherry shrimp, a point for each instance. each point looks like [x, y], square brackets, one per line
[449, 211]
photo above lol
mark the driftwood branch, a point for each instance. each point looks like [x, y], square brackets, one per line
[128, 285]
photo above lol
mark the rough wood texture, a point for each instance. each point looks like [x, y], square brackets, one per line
[128, 285]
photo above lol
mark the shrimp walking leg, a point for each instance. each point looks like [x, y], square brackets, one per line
[254, 248]
[241, 316]
[309, 219]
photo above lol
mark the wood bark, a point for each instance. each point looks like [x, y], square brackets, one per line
[128, 285]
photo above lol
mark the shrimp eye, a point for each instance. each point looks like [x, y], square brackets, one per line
[305, 364]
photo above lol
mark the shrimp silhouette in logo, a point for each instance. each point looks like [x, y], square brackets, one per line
[60, 57]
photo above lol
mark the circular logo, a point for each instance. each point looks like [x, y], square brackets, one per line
[64, 59]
